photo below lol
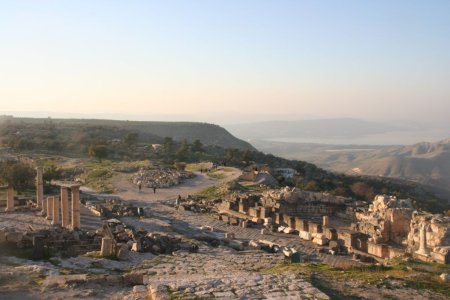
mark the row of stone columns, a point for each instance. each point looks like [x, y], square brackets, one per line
[55, 204]
[39, 193]
[52, 205]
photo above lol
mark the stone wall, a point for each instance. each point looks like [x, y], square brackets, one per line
[386, 221]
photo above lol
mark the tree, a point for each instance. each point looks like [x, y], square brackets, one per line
[168, 146]
[98, 151]
[182, 151]
[247, 157]
[16, 174]
[363, 191]
[131, 138]
[197, 146]
[52, 173]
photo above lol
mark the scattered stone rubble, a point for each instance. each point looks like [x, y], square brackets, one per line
[49, 242]
[119, 239]
[113, 208]
[160, 178]
[294, 201]
[196, 204]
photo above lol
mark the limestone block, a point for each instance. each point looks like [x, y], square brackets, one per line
[229, 235]
[445, 277]
[123, 253]
[244, 224]
[288, 230]
[257, 220]
[305, 235]
[375, 249]
[135, 247]
[14, 237]
[234, 221]
[281, 228]
[320, 240]
[315, 228]
[267, 221]
[107, 247]
[237, 245]
[254, 244]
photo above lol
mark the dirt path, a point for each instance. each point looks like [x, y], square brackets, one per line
[128, 191]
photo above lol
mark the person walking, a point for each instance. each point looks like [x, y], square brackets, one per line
[154, 189]
[178, 202]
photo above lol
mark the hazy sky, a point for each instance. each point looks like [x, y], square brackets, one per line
[370, 59]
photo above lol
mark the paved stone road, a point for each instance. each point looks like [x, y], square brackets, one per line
[168, 215]
[222, 273]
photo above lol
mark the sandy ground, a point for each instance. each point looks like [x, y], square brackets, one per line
[128, 191]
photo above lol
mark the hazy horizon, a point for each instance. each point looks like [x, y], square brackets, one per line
[405, 131]
[230, 61]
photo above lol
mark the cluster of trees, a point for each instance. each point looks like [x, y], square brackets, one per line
[16, 174]
[62, 138]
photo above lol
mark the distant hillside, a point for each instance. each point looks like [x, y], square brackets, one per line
[29, 131]
[425, 163]
[302, 129]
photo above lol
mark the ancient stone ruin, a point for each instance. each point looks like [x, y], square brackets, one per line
[387, 228]
[160, 178]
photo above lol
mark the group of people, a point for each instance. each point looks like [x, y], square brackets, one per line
[177, 201]
[140, 188]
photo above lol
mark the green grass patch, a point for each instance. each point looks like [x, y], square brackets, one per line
[97, 254]
[255, 188]
[374, 275]
[216, 175]
[196, 167]
[99, 175]
[215, 191]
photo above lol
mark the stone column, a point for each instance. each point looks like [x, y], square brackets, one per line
[326, 221]
[75, 207]
[44, 207]
[64, 207]
[423, 240]
[55, 220]
[49, 208]
[10, 199]
[39, 187]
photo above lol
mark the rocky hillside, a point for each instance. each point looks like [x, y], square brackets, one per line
[425, 163]
[428, 163]
[37, 131]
